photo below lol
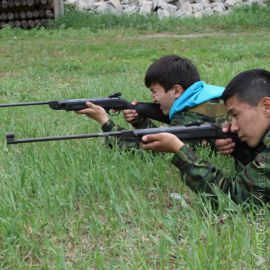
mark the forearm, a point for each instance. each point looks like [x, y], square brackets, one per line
[118, 141]
[110, 126]
[202, 176]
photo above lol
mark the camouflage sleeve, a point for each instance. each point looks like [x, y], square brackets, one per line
[125, 143]
[252, 182]
[118, 141]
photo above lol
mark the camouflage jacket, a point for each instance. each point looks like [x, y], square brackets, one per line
[252, 181]
[180, 118]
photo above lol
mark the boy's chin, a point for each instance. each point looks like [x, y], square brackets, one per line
[165, 112]
[252, 144]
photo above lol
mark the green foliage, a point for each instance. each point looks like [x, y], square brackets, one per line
[78, 204]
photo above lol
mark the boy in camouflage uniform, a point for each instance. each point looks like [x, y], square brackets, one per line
[247, 99]
[175, 84]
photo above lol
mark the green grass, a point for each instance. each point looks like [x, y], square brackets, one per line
[79, 205]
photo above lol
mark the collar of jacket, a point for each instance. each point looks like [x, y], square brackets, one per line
[194, 95]
[266, 138]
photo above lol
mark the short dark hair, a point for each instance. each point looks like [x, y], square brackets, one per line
[249, 86]
[170, 70]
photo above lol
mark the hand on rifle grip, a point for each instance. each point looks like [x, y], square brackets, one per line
[131, 115]
[95, 112]
[225, 146]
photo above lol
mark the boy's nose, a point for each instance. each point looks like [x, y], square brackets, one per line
[234, 126]
[154, 99]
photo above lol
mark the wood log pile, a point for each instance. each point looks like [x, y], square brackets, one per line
[26, 13]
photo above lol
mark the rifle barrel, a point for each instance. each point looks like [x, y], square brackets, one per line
[12, 140]
[24, 104]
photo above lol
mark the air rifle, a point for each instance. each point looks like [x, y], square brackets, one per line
[145, 109]
[196, 132]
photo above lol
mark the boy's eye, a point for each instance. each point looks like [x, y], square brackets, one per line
[228, 118]
[232, 115]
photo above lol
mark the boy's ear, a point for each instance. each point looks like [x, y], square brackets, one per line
[178, 90]
[266, 106]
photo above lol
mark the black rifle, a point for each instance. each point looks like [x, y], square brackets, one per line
[145, 109]
[196, 132]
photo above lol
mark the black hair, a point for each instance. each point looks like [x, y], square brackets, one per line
[249, 86]
[170, 70]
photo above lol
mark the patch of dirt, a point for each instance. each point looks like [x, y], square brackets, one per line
[194, 35]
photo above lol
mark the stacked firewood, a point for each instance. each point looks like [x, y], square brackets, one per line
[26, 13]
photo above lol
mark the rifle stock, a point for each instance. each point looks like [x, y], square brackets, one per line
[145, 109]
